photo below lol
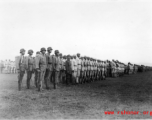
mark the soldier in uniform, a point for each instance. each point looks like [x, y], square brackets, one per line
[21, 67]
[61, 68]
[37, 75]
[49, 69]
[30, 70]
[82, 71]
[56, 68]
[64, 68]
[68, 68]
[41, 68]
[78, 68]
[88, 69]
[75, 65]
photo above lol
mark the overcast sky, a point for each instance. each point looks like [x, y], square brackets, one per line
[119, 30]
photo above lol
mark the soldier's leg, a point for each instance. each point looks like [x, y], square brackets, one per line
[28, 77]
[56, 79]
[47, 78]
[20, 78]
[36, 78]
[39, 80]
[29, 80]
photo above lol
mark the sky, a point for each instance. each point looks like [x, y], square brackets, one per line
[102, 29]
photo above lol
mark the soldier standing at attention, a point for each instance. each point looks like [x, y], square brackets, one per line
[21, 67]
[68, 67]
[64, 68]
[78, 67]
[36, 72]
[75, 69]
[41, 68]
[30, 70]
[49, 69]
[82, 71]
[61, 68]
[56, 68]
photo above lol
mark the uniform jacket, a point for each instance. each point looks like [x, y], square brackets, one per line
[68, 66]
[78, 63]
[56, 63]
[41, 62]
[49, 61]
[74, 64]
[29, 63]
[21, 63]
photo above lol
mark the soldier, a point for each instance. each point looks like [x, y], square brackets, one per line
[82, 71]
[78, 68]
[74, 64]
[41, 68]
[37, 75]
[85, 69]
[21, 67]
[68, 68]
[56, 68]
[49, 69]
[30, 70]
[88, 69]
[64, 69]
[61, 68]
[105, 69]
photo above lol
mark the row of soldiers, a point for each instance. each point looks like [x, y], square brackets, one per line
[70, 69]
[8, 67]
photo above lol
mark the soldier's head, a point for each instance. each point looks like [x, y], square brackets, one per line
[84, 57]
[65, 57]
[49, 49]
[60, 54]
[30, 52]
[74, 56]
[37, 52]
[71, 57]
[22, 51]
[56, 52]
[78, 55]
[43, 50]
[68, 57]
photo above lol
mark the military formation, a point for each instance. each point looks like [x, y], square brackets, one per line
[8, 67]
[53, 69]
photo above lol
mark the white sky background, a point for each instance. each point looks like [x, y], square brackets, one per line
[119, 30]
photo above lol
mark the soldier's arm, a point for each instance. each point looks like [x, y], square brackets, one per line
[37, 61]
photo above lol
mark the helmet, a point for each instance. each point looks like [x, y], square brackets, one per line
[49, 48]
[30, 51]
[56, 51]
[37, 52]
[22, 50]
[43, 49]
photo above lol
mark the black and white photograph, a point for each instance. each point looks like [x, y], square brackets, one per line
[75, 59]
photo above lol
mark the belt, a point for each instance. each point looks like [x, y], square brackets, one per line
[49, 63]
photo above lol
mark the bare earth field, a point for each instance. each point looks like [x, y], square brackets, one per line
[87, 101]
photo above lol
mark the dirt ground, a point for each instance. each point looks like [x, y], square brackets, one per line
[87, 101]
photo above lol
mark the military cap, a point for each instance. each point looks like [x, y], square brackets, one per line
[56, 51]
[43, 49]
[22, 50]
[30, 51]
[49, 48]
